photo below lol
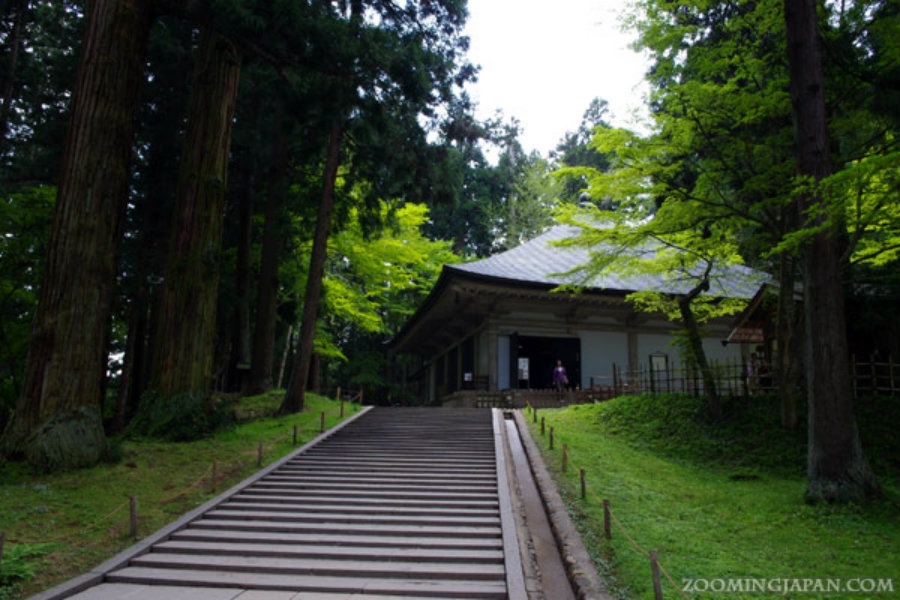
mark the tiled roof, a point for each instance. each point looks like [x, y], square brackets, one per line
[540, 261]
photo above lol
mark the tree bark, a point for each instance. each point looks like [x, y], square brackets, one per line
[788, 323]
[294, 396]
[185, 336]
[695, 343]
[58, 420]
[837, 470]
[263, 362]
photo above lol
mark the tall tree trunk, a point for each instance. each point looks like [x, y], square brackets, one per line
[185, 337]
[263, 362]
[294, 396]
[837, 469]
[58, 419]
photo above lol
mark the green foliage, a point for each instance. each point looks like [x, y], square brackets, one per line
[24, 227]
[183, 417]
[18, 565]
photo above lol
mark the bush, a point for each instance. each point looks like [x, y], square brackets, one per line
[179, 418]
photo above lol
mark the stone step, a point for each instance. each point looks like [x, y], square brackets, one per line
[342, 539]
[322, 567]
[375, 509]
[362, 502]
[423, 588]
[282, 516]
[374, 487]
[376, 551]
[359, 528]
[375, 495]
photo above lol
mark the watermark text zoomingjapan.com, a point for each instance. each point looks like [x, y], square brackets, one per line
[787, 585]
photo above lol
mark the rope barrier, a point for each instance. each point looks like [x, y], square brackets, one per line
[76, 532]
[575, 467]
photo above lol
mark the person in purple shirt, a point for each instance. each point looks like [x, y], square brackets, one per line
[560, 379]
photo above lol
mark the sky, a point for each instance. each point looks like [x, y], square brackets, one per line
[543, 62]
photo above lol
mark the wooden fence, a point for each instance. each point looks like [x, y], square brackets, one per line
[876, 378]
[731, 378]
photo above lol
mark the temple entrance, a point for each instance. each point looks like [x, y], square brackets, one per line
[532, 359]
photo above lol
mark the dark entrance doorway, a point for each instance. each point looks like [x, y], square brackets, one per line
[541, 354]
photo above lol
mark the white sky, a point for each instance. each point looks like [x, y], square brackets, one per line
[543, 62]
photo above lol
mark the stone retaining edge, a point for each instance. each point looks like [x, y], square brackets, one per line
[580, 568]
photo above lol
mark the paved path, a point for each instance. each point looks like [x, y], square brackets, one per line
[400, 503]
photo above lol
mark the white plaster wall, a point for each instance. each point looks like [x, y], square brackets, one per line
[599, 350]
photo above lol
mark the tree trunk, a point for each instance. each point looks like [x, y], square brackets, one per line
[837, 470]
[695, 343]
[263, 362]
[787, 323]
[58, 419]
[294, 396]
[185, 336]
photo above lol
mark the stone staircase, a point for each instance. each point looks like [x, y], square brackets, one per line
[401, 503]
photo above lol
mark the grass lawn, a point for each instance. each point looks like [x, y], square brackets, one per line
[61, 525]
[722, 504]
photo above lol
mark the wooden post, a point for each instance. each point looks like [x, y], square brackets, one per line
[551, 437]
[322, 422]
[295, 434]
[565, 458]
[654, 569]
[891, 373]
[214, 476]
[132, 523]
[874, 372]
[607, 530]
[583, 486]
[259, 454]
[337, 394]
[534, 414]
[542, 425]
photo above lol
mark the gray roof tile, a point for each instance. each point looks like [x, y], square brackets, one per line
[540, 261]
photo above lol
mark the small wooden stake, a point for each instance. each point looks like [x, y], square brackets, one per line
[322, 422]
[534, 414]
[295, 434]
[551, 437]
[583, 487]
[542, 425]
[565, 458]
[607, 531]
[654, 569]
[132, 525]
